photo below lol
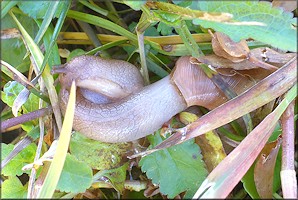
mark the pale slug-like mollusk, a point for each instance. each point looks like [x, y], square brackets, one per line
[112, 104]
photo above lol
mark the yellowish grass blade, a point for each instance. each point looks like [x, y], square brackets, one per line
[53, 175]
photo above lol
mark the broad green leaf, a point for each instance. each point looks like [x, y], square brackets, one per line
[13, 50]
[5, 150]
[74, 172]
[164, 29]
[277, 30]
[183, 3]
[117, 176]
[12, 188]
[168, 18]
[10, 93]
[175, 169]
[136, 5]
[98, 155]
[212, 148]
[37, 9]
[75, 53]
[14, 167]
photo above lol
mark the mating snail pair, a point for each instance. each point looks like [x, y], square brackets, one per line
[113, 105]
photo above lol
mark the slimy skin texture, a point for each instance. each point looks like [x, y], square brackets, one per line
[128, 111]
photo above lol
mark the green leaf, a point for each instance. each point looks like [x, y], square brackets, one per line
[98, 155]
[176, 169]
[47, 20]
[10, 93]
[14, 167]
[6, 6]
[117, 177]
[13, 188]
[136, 5]
[249, 183]
[97, 21]
[164, 29]
[278, 30]
[37, 56]
[54, 57]
[37, 9]
[75, 172]
[75, 53]
[50, 39]
[13, 50]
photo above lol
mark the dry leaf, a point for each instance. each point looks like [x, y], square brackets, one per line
[225, 47]
[10, 33]
[286, 5]
[262, 54]
[264, 169]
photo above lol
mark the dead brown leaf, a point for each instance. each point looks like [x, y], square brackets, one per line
[10, 33]
[262, 54]
[264, 169]
[225, 47]
[286, 5]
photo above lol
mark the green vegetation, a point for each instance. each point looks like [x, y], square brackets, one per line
[199, 153]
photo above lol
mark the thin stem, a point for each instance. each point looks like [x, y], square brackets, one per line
[113, 14]
[31, 182]
[106, 46]
[25, 117]
[143, 57]
[20, 78]
[288, 174]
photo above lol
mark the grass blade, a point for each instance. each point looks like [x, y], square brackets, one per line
[6, 6]
[56, 32]
[46, 75]
[91, 19]
[47, 20]
[229, 172]
[53, 175]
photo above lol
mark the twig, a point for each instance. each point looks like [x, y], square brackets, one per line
[25, 117]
